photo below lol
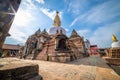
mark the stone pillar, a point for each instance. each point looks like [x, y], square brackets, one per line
[56, 44]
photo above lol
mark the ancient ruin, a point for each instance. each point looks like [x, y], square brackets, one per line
[55, 45]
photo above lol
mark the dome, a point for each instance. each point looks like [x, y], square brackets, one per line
[54, 30]
[115, 44]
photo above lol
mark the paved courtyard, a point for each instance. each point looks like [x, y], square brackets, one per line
[91, 68]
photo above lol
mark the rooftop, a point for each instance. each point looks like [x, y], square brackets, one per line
[11, 46]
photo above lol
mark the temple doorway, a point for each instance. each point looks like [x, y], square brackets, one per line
[62, 44]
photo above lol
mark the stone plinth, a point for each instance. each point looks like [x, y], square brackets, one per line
[18, 71]
[114, 63]
[114, 53]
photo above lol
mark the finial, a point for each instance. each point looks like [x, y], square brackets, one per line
[57, 21]
[57, 12]
[114, 38]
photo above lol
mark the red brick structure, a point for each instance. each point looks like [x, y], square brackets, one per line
[94, 50]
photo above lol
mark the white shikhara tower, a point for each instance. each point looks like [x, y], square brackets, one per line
[57, 26]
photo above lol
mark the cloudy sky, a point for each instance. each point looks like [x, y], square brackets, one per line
[96, 20]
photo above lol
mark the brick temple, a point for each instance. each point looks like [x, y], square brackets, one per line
[55, 45]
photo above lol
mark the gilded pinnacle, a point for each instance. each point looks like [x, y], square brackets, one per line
[114, 38]
[57, 22]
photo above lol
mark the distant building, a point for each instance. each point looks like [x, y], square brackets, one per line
[55, 45]
[114, 51]
[8, 8]
[87, 46]
[94, 50]
[9, 50]
[102, 51]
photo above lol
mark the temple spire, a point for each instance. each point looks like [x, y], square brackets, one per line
[74, 34]
[114, 38]
[57, 21]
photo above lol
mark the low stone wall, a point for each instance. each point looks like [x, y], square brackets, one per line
[113, 61]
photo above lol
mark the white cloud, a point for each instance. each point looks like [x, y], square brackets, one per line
[102, 36]
[101, 13]
[66, 29]
[74, 21]
[83, 32]
[23, 18]
[24, 14]
[21, 27]
[18, 35]
[40, 1]
[79, 18]
[104, 12]
[50, 14]
[77, 6]
[27, 4]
